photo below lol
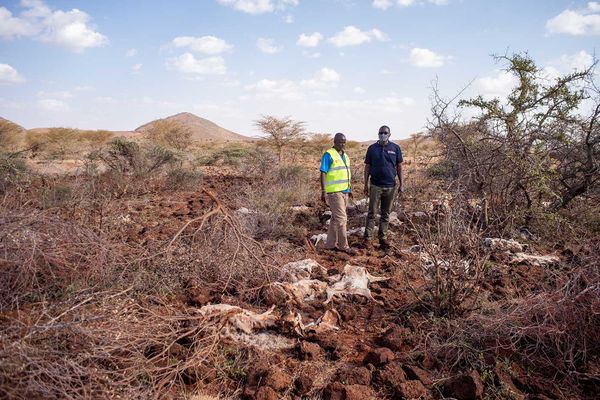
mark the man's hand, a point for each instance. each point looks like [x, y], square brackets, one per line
[323, 199]
[367, 190]
[400, 190]
[350, 195]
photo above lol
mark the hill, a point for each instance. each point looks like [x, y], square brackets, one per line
[202, 129]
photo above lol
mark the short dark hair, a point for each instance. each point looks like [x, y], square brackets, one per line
[385, 127]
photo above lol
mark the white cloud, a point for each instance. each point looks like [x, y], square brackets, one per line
[359, 90]
[324, 78]
[309, 54]
[9, 75]
[498, 85]
[352, 36]
[255, 7]
[69, 29]
[59, 94]
[568, 63]
[288, 19]
[585, 21]
[311, 40]
[268, 89]
[53, 105]
[136, 68]
[426, 58]
[188, 64]
[11, 27]
[131, 53]
[389, 104]
[206, 44]
[385, 4]
[268, 46]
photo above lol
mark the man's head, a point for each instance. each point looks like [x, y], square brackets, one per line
[339, 141]
[384, 134]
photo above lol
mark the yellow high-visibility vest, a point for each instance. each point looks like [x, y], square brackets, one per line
[337, 178]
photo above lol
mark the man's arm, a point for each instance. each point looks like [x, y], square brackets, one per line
[323, 187]
[400, 178]
[367, 174]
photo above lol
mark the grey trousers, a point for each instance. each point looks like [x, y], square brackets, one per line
[380, 199]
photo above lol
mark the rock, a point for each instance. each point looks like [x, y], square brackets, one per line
[396, 338]
[359, 392]
[278, 380]
[506, 383]
[416, 373]
[464, 387]
[354, 376]
[379, 356]
[334, 391]
[303, 384]
[308, 351]
[391, 376]
[265, 393]
[413, 390]
[347, 312]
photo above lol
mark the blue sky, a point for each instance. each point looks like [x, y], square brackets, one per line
[339, 65]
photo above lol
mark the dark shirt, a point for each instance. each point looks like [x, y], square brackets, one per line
[383, 161]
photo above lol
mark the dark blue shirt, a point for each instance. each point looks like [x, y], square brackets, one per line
[383, 161]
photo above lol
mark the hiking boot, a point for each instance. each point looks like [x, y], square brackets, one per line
[384, 244]
[350, 251]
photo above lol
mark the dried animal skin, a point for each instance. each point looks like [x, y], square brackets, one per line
[301, 291]
[539, 261]
[497, 244]
[303, 269]
[237, 318]
[354, 280]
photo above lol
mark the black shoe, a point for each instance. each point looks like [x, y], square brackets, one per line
[384, 244]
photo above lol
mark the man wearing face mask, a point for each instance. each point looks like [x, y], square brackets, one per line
[383, 163]
[335, 189]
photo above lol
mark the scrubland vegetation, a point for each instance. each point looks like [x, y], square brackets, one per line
[106, 267]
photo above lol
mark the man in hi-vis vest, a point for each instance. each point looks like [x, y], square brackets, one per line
[335, 189]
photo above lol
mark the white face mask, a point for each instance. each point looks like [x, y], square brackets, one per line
[384, 137]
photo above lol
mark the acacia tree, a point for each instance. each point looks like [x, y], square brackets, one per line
[281, 133]
[531, 149]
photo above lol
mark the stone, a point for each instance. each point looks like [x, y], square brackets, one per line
[265, 393]
[308, 351]
[379, 356]
[464, 387]
[416, 373]
[413, 390]
[396, 338]
[354, 376]
[278, 380]
[359, 392]
[391, 376]
[334, 391]
[303, 384]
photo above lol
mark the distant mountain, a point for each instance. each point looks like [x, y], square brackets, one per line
[202, 129]
[16, 126]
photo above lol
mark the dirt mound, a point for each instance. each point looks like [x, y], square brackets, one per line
[202, 129]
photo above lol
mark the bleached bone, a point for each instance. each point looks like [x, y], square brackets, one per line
[235, 318]
[497, 244]
[245, 211]
[329, 321]
[394, 220]
[357, 231]
[303, 269]
[354, 280]
[300, 208]
[538, 261]
[321, 237]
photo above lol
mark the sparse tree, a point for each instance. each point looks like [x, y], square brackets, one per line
[281, 132]
[170, 134]
[531, 149]
[10, 135]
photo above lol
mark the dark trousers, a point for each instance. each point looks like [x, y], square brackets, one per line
[380, 199]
